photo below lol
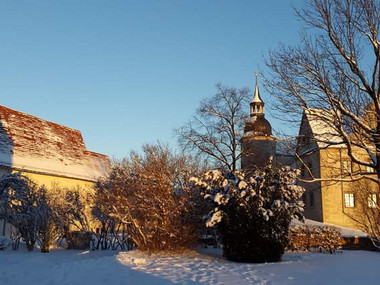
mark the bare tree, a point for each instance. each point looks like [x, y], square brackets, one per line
[368, 216]
[18, 205]
[48, 227]
[149, 193]
[217, 127]
[335, 69]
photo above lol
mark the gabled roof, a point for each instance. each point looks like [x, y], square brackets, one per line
[32, 144]
[318, 126]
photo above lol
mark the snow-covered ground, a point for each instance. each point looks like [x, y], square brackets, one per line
[204, 266]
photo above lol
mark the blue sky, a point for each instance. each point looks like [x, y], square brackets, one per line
[129, 72]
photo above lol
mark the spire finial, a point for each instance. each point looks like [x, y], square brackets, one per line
[256, 76]
[256, 93]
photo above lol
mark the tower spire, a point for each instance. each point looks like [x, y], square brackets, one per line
[257, 104]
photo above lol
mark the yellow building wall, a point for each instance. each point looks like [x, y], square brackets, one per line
[52, 182]
[49, 181]
[334, 210]
[66, 184]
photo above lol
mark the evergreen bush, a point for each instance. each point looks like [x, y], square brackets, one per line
[252, 214]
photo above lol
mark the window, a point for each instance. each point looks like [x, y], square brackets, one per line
[312, 202]
[349, 200]
[372, 200]
[347, 167]
[370, 169]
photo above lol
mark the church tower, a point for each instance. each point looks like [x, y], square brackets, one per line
[258, 144]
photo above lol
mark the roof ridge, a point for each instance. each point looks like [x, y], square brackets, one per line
[33, 116]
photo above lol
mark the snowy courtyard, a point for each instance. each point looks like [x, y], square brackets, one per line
[204, 266]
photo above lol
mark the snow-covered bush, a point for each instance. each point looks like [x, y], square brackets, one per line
[40, 215]
[49, 218]
[27, 207]
[149, 194]
[307, 238]
[18, 205]
[77, 209]
[71, 210]
[252, 214]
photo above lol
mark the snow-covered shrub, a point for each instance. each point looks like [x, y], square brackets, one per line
[49, 218]
[307, 238]
[149, 194]
[39, 215]
[77, 210]
[18, 205]
[252, 214]
[111, 233]
[71, 208]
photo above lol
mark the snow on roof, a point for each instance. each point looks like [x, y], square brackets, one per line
[32, 144]
[321, 122]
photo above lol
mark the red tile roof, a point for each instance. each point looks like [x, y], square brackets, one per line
[33, 144]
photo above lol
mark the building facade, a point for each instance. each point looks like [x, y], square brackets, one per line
[48, 153]
[333, 197]
[326, 169]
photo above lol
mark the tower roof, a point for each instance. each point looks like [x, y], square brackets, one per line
[256, 93]
[257, 124]
[257, 104]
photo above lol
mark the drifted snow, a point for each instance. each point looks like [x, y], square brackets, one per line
[205, 266]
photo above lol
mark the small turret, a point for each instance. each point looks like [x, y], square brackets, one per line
[257, 104]
[257, 124]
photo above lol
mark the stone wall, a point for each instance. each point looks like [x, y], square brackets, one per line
[257, 152]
